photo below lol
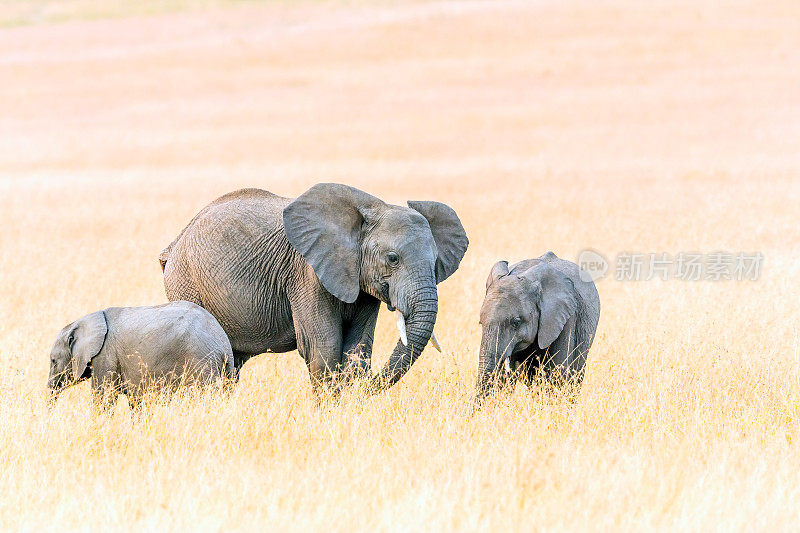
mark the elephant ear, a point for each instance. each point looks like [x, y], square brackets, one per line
[88, 337]
[499, 270]
[324, 226]
[557, 303]
[448, 233]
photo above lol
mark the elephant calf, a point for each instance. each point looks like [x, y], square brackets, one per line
[538, 315]
[126, 349]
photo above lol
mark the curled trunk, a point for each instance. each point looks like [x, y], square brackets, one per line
[419, 328]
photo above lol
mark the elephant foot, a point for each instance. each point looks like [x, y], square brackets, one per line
[239, 359]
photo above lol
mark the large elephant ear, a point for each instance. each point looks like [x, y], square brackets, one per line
[88, 337]
[324, 226]
[557, 304]
[448, 233]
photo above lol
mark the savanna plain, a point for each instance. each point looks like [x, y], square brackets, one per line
[622, 127]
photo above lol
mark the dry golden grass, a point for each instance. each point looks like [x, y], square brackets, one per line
[546, 125]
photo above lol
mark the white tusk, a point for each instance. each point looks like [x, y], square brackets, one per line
[401, 325]
[508, 364]
[435, 342]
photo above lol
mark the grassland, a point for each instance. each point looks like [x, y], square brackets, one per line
[657, 127]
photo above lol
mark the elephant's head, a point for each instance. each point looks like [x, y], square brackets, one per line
[356, 242]
[521, 309]
[72, 353]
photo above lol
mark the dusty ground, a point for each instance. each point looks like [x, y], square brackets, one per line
[663, 127]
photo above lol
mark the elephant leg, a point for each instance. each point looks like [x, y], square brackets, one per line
[135, 400]
[565, 360]
[527, 371]
[359, 336]
[319, 341]
[323, 358]
[106, 384]
[105, 398]
[239, 359]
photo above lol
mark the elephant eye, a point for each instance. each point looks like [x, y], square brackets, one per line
[516, 322]
[392, 259]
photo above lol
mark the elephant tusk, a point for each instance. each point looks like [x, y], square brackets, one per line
[435, 342]
[401, 325]
[507, 364]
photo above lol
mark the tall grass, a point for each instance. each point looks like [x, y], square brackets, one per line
[640, 128]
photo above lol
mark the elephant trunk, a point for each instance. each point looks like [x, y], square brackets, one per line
[422, 310]
[491, 373]
[55, 384]
[53, 397]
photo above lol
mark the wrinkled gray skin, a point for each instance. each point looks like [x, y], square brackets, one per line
[127, 349]
[310, 274]
[538, 315]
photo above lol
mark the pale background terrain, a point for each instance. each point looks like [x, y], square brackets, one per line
[645, 127]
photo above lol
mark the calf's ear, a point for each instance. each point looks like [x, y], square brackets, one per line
[556, 306]
[89, 336]
[499, 270]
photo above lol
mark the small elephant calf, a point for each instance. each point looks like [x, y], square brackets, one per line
[127, 349]
[538, 315]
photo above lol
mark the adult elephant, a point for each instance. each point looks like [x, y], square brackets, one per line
[310, 273]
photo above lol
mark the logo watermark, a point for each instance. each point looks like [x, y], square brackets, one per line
[683, 266]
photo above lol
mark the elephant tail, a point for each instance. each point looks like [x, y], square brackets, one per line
[163, 256]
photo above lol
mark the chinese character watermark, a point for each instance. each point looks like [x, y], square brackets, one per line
[684, 266]
[629, 267]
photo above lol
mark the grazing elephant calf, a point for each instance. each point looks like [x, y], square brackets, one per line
[538, 315]
[124, 349]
